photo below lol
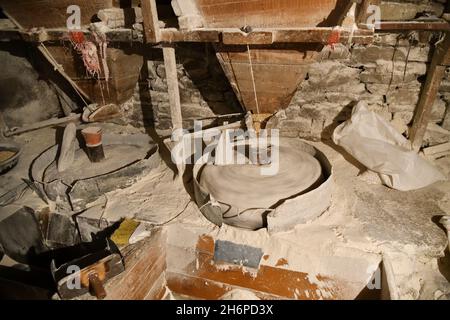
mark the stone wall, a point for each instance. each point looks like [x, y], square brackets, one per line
[388, 75]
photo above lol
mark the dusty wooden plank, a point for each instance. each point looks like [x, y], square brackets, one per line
[230, 36]
[199, 288]
[322, 35]
[414, 25]
[145, 261]
[50, 13]
[239, 37]
[172, 83]
[151, 21]
[173, 35]
[437, 150]
[268, 36]
[430, 89]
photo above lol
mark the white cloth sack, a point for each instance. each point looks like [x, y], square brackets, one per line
[377, 145]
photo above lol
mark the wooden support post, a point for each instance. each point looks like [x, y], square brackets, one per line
[174, 100]
[151, 21]
[172, 83]
[435, 75]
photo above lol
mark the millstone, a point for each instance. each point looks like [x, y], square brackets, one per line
[244, 187]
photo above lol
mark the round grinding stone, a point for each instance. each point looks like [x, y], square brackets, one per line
[244, 187]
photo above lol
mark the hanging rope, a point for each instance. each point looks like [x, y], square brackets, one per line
[253, 78]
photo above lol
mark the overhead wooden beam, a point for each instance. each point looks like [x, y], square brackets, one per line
[151, 21]
[265, 36]
[49, 35]
[428, 96]
[228, 36]
[170, 35]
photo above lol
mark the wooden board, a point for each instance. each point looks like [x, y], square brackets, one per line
[51, 13]
[271, 13]
[143, 278]
[204, 279]
[277, 74]
[124, 68]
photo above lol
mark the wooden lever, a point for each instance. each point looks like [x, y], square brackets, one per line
[96, 286]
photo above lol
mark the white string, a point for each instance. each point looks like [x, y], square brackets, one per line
[253, 78]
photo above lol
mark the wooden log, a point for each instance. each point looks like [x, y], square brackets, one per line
[174, 35]
[436, 73]
[228, 36]
[172, 83]
[151, 21]
[437, 151]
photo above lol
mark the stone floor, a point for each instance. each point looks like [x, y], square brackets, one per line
[367, 224]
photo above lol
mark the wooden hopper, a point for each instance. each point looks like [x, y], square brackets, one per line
[124, 64]
[278, 70]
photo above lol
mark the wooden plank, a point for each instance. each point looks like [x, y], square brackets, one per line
[435, 75]
[199, 288]
[173, 35]
[271, 13]
[239, 37]
[151, 21]
[229, 36]
[322, 35]
[437, 150]
[144, 263]
[172, 83]
[50, 13]
[414, 25]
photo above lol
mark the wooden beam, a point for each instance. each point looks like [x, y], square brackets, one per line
[414, 25]
[228, 36]
[151, 21]
[172, 83]
[48, 35]
[435, 75]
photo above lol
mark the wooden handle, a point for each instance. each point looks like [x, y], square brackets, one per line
[96, 286]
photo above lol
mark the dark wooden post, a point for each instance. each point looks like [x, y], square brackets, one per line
[436, 72]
